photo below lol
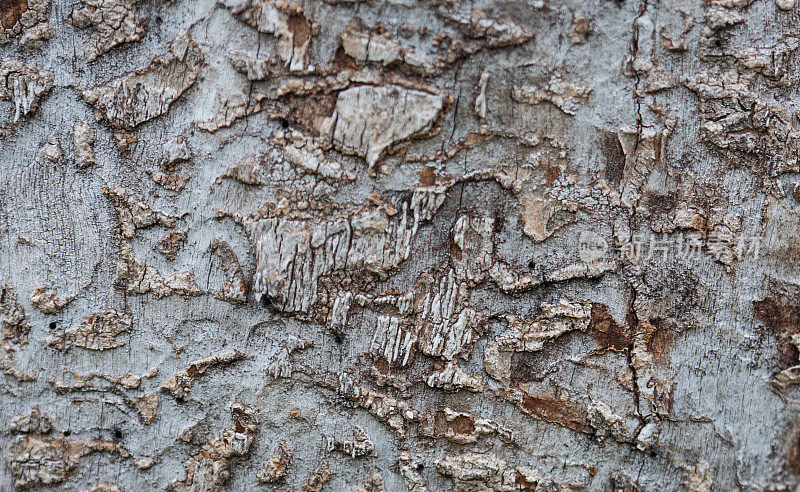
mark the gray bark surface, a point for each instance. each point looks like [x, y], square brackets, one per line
[402, 245]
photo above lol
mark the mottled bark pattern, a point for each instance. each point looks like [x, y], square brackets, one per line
[365, 245]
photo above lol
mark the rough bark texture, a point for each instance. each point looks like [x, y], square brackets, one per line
[402, 245]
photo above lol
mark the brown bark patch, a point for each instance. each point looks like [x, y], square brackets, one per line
[779, 315]
[342, 61]
[658, 335]
[788, 356]
[551, 174]
[524, 484]
[611, 148]
[300, 28]
[381, 365]
[11, 12]
[608, 334]
[455, 252]
[563, 412]
[305, 110]
[427, 177]
[460, 425]
[789, 254]
[793, 451]
[660, 204]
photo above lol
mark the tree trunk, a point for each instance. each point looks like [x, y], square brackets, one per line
[403, 245]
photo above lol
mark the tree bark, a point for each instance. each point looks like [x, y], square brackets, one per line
[402, 245]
